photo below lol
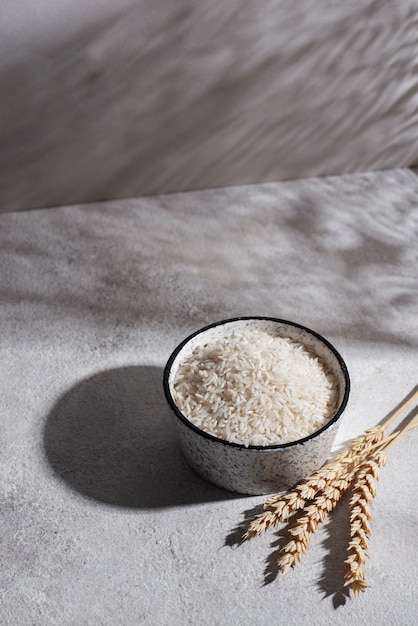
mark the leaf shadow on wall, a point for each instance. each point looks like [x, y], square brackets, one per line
[112, 439]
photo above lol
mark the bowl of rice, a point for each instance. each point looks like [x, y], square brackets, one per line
[256, 402]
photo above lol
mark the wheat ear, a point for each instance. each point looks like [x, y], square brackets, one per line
[279, 508]
[364, 490]
[304, 527]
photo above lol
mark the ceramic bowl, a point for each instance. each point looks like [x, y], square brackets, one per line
[253, 469]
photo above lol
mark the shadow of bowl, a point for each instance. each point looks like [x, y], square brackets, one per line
[111, 438]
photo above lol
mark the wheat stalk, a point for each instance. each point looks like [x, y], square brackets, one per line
[280, 507]
[364, 490]
[358, 467]
[402, 407]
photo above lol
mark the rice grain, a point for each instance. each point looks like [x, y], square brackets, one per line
[252, 388]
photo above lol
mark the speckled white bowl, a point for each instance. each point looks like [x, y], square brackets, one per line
[256, 469]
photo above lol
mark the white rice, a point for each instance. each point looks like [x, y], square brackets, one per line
[254, 389]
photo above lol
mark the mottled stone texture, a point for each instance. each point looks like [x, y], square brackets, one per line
[144, 98]
[102, 523]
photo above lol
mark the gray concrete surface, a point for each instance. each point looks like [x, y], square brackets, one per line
[104, 100]
[101, 521]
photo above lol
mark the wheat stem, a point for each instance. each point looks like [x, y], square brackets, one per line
[389, 441]
[408, 400]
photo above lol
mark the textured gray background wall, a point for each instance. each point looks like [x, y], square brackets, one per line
[102, 100]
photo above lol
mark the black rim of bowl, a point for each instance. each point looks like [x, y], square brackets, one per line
[289, 444]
